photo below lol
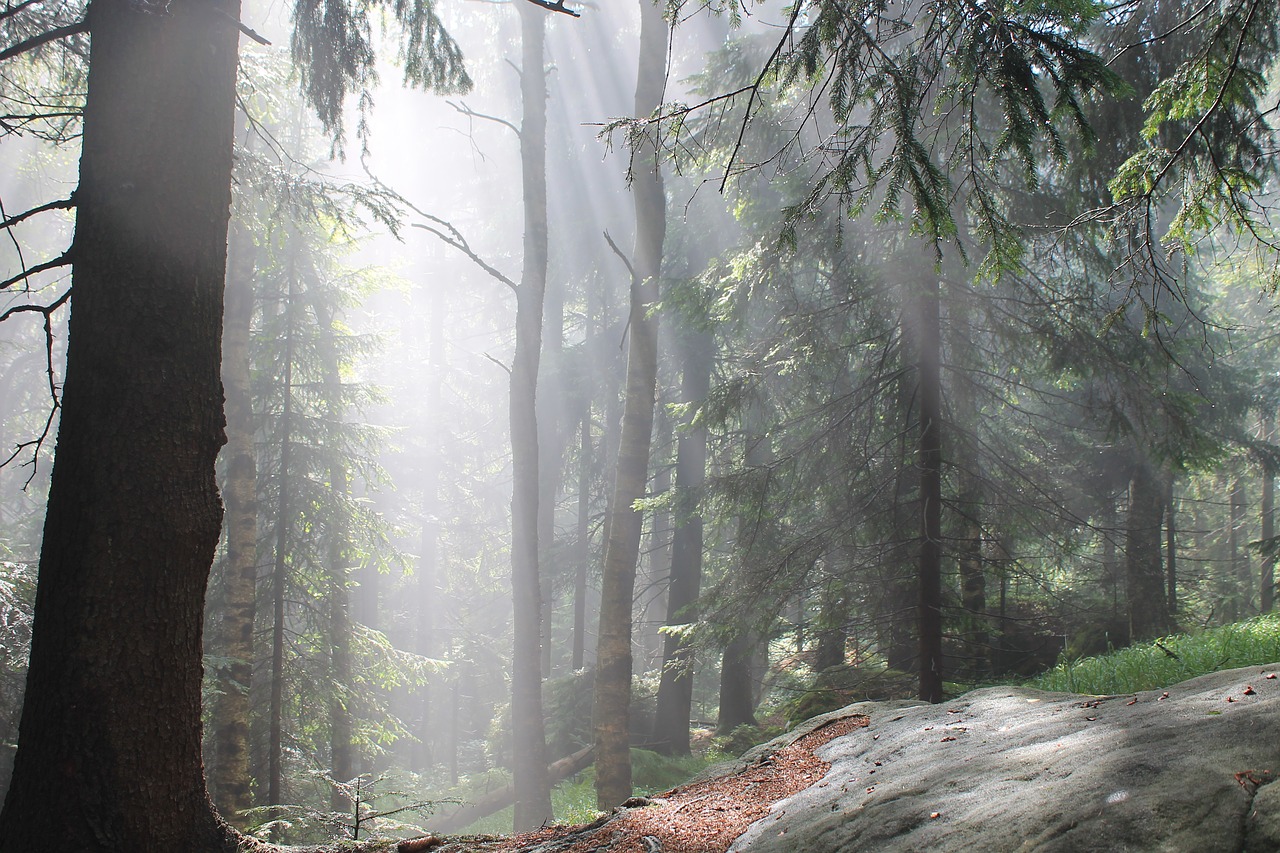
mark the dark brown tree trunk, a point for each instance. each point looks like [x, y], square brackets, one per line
[611, 707]
[675, 687]
[737, 693]
[833, 622]
[1145, 592]
[929, 608]
[109, 747]
[529, 746]
[230, 718]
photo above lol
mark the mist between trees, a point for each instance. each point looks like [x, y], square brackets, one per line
[633, 377]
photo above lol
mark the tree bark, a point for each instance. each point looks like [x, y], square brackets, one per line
[611, 707]
[280, 566]
[1170, 545]
[109, 755]
[1145, 594]
[230, 717]
[1243, 576]
[675, 687]
[529, 747]
[737, 696]
[929, 608]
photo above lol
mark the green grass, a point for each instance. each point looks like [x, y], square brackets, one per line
[1147, 666]
[574, 800]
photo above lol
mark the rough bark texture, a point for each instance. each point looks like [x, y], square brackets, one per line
[1170, 545]
[109, 746]
[230, 719]
[675, 689]
[529, 765]
[1145, 592]
[611, 707]
[929, 608]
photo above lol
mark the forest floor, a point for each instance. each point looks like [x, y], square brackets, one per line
[698, 817]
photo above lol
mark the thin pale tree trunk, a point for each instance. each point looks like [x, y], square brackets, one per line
[529, 747]
[611, 707]
[929, 606]
[230, 718]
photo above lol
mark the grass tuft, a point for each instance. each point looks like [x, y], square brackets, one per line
[1168, 660]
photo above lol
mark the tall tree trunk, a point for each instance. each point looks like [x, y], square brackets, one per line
[675, 687]
[611, 706]
[551, 441]
[1239, 556]
[529, 745]
[109, 754]
[342, 760]
[280, 567]
[1146, 598]
[833, 620]
[737, 696]
[230, 718]
[428, 581]
[653, 596]
[582, 549]
[929, 608]
[1170, 544]
[1267, 587]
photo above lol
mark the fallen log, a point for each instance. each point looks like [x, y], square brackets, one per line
[499, 799]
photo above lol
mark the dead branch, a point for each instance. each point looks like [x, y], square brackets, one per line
[61, 261]
[462, 107]
[81, 26]
[557, 6]
[60, 204]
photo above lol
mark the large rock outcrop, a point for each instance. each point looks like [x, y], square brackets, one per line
[1012, 769]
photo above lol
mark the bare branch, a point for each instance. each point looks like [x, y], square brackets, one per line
[46, 310]
[81, 26]
[60, 204]
[462, 107]
[37, 443]
[557, 6]
[61, 261]
[454, 238]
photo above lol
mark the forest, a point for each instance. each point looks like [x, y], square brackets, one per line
[417, 415]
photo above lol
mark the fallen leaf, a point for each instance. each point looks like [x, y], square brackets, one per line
[1271, 676]
[1231, 698]
[1163, 696]
[1133, 701]
[934, 815]
[1249, 691]
[1091, 719]
[946, 739]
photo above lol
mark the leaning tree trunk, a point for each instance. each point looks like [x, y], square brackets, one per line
[109, 745]
[611, 707]
[230, 717]
[529, 745]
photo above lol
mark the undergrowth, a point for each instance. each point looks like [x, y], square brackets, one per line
[1167, 661]
[574, 800]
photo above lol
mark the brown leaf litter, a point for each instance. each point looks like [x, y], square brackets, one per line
[700, 817]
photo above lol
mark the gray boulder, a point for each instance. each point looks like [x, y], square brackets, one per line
[1013, 769]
